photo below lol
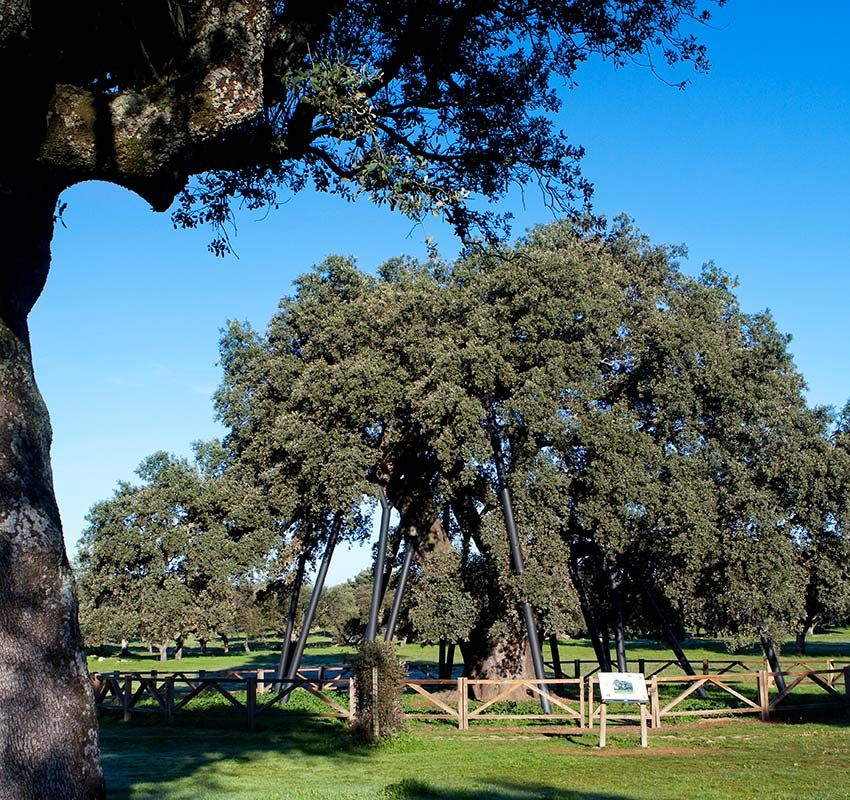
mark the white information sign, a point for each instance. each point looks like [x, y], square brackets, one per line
[623, 687]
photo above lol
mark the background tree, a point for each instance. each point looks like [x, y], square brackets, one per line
[179, 554]
[414, 104]
[344, 608]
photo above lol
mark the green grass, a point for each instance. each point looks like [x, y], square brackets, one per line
[316, 760]
[207, 753]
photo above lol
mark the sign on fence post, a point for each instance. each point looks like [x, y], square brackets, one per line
[622, 687]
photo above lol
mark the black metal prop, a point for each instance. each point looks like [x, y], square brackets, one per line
[672, 640]
[518, 568]
[556, 655]
[399, 591]
[603, 656]
[773, 661]
[295, 659]
[380, 560]
[286, 647]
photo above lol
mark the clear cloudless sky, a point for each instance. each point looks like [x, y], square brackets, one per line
[749, 166]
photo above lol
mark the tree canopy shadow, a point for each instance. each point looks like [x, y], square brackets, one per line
[498, 790]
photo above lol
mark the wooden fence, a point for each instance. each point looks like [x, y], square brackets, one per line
[170, 693]
[573, 700]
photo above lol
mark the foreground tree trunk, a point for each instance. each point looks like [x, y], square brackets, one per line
[48, 729]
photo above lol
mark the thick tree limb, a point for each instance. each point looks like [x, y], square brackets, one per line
[142, 139]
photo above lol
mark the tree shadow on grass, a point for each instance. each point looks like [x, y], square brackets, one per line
[150, 762]
[498, 790]
[157, 761]
[154, 756]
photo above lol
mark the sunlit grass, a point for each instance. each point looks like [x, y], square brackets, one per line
[316, 760]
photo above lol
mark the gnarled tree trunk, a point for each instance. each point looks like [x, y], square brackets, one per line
[487, 658]
[48, 729]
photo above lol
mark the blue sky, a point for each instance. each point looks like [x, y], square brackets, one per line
[749, 166]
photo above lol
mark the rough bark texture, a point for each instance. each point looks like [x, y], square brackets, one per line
[48, 729]
[491, 659]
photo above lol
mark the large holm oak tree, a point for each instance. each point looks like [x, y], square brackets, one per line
[414, 103]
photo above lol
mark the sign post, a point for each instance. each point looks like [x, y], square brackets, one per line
[622, 687]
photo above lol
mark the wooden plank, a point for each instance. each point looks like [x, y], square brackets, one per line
[324, 698]
[503, 695]
[733, 692]
[686, 678]
[566, 717]
[513, 681]
[788, 689]
[199, 689]
[216, 684]
[433, 700]
[705, 712]
[556, 700]
[687, 693]
[815, 678]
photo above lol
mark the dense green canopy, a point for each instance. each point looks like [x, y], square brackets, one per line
[188, 551]
[656, 437]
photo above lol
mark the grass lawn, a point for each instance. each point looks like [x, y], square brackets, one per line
[208, 754]
[728, 760]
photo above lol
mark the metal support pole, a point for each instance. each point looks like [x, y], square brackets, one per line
[603, 656]
[286, 647]
[399, 591]
[380, 559]
[773, 660]
[672, 640]
[295, 660]
[518, 568]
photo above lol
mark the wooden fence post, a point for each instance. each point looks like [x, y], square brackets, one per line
[577, 667]
[654, 705]
[466, 704]
[847, 684]
[581, 699]
[352, 700]
[643, 715]
[763, 681]
[169, 699]
[642, 666]
[126, 696]
[705, 666]
[376, 724]
[262, 686]
[251, 701]
[590, 704]
[603, 720]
